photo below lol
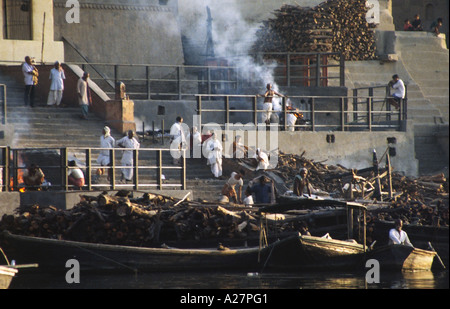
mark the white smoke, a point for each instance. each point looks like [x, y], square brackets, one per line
[233, 36]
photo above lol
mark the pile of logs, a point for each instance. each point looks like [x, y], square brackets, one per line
[147, 221]
[332, 26]
[423, 200]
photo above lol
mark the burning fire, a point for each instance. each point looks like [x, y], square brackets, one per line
[20, 183]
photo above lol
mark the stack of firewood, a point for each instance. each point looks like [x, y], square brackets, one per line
[147, 221]
[423, 200]
[332, 26]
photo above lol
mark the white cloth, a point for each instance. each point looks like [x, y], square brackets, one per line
[291, 120]
[177, 133]
[28, 78]
[399, 88]
[399, 238]
[263, 160]
[268, 111]
[196, 139]
[105, 142]
[215, 156]
[248, 201]
[57, 77]
[178, 140]
[232, 181]
[76, 173]
[127, 156]
[82, 89]
[54, 97]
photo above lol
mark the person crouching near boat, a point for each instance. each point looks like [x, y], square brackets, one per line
[301, 183]
[397, 236]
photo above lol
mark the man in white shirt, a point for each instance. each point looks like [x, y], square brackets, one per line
[56, 85]
[399, 91]
[30, 74]
[398, 236]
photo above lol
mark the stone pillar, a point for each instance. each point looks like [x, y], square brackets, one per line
[120, 115]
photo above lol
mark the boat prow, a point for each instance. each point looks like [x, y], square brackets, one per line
[6, 275]
[402, 257]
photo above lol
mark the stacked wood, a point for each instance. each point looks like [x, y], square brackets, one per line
[148, 221]
[423, 200]
[332, 26]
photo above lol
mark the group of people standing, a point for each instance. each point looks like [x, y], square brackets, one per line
[55, 95]
[108, 142]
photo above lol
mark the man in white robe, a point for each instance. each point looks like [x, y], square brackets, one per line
[262, 159]
[128, 142]
[215, 156]
[177, 140]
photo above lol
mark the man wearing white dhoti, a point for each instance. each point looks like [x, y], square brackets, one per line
[128, 142]
[267, 105]
[215, 155]
[177, 140]
[57, 78]
[106, 141]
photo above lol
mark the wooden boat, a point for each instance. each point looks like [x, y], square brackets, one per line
[402, 257]
[7, 273]
[52, 255]
[314, 252]
[292, 253]
[318, 253]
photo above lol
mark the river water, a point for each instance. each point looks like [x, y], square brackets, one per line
[234, 280]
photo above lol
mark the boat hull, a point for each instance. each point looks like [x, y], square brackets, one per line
[6, 276]
[291, 253]
[401, 257]
[317, 253]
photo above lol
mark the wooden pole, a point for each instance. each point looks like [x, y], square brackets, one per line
[388, 166]
[43, 37]
[377, 193]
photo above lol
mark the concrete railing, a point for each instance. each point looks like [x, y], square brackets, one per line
[149, 169]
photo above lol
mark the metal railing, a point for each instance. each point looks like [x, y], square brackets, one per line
[378, 94]
[176, 82]
[320, 113]
[3, 104]
[152, 169]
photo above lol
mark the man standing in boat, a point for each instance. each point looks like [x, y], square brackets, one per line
[398, 236]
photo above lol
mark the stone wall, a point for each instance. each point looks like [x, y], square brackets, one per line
[133, 32]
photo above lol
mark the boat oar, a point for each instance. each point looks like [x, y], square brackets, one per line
[437, 255]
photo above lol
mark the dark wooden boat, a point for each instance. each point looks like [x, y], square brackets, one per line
[7, 273]
[292, 253]
[52, 255]
[402, 257]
